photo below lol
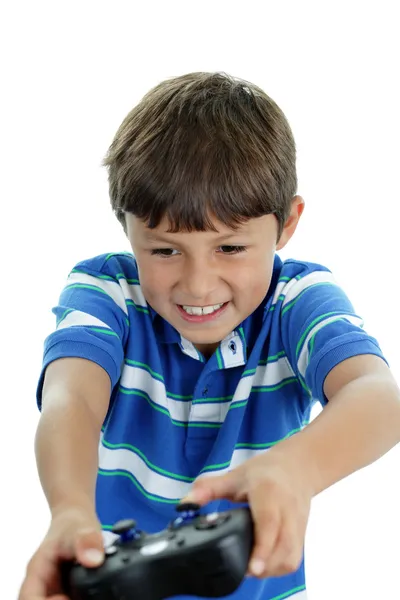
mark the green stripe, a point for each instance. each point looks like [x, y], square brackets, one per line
[90, 327]
[145, 367]
[215, 467]
[65, 313]
[293, 302]
[102, 330]
[254, 389]
[272, 388]
[138, 486]
[211, 400]
[166, 412]
[264, 445]
[318, 320]
[178, 396]
[115, 279]
[311, 344]
[127, 253]
[86, 286]
[291, 592]
[273, 358]
[148, 463]
[97, 276]
[265, 361]
[130, 281]
[219, 358]
[139, 308]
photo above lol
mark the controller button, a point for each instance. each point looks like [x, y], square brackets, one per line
[154, 548]
[186, 506]
[212, 520]
[126, 529]
[123, 526]
[110, 550]
[180, 542]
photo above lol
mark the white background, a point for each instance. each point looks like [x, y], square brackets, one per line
[70, 73]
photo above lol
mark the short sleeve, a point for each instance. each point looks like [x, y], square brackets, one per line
[320, 329]
[91, 322]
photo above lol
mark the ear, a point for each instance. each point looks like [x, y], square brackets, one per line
[291, 222]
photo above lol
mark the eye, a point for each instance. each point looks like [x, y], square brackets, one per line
[233, 249]
[164, 252]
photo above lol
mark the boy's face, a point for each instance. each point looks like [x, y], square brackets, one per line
[206, 283]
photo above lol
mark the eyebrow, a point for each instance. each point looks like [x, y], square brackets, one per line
[159, 238]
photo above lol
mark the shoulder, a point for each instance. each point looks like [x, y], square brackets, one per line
[292, 268]
[115, 265]
[296, 276]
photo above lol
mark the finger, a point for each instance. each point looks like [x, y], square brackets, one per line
[287, 554]
[267, 523]
[89, 547]
[40, 573]
[207, 489]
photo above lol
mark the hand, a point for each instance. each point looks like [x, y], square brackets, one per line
[279, 497]
[74, 532]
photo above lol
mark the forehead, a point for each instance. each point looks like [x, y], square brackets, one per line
[250, 227]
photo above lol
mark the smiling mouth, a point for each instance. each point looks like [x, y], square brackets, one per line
[202, 310]
[200, 314]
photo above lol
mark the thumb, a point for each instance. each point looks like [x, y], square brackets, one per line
[89, 547]
[207, 489]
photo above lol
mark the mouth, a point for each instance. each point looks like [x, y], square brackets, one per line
[197, 314]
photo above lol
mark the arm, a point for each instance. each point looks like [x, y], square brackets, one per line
[75, 399]
[76, 395]
[360, 423]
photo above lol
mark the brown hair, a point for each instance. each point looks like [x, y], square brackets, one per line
[201, 145]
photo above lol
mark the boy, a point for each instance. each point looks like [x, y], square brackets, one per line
[189, 368]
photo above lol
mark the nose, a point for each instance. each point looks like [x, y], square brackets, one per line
[199, 280]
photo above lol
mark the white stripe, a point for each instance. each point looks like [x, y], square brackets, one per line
[209, 412]
[156, 483]
[152, 482]
[79, 318]
[113, 289]
[265, 375]
[302, 362]
[273, 373]
[294, 287]
[238, 458]
[133, 291]
[139, 379]
[278, 290]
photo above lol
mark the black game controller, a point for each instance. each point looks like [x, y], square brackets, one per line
[201, 555]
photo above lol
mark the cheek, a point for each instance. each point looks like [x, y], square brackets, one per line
[254, 277]
[154, 279]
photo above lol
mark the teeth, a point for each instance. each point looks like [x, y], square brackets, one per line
[201, 310]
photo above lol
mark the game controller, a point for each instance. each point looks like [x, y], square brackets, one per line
[201, 555]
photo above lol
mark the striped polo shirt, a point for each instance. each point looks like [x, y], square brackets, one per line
[174, 415]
